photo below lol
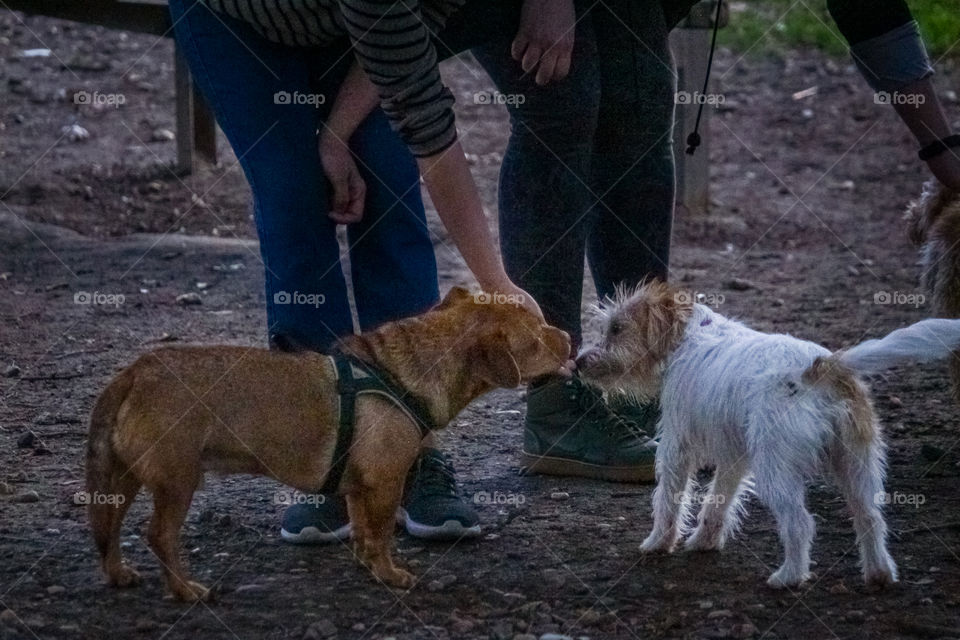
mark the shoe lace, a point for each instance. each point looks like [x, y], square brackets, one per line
[595, 406]
[435, 477]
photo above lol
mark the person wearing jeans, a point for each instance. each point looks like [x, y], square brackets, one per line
[274, 73]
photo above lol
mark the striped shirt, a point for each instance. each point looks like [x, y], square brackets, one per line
[392, 40]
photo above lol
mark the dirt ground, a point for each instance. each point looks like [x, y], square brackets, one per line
[805, 236]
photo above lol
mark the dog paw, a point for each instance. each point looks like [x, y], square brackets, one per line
[702, 543]
[880, 578]
[398, 578]
[192, 592]
[657, 544]
[783, 579]
[124, 576]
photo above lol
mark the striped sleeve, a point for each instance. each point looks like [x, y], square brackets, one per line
[393, 45]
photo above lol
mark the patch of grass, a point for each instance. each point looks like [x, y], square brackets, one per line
[769, 26]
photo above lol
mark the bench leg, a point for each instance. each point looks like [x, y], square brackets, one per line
[196, 126]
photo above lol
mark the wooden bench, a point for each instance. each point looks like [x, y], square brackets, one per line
[196, 128]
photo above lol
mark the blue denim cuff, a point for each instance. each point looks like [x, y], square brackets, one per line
[893, 60]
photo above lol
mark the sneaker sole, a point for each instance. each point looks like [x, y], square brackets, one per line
[550, 466]
[449, 530]
[312, 535]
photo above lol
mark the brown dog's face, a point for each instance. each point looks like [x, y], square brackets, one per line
[511, 344]
[642, 329]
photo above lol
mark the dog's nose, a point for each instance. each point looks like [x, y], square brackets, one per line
[585, 358]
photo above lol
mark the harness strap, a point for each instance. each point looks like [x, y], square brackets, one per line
[355, 378]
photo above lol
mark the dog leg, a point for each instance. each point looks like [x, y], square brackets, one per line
[170, 506]
[670, 498]
[783, 493]
[106, 521]
[379, 508]
[360, 527]
[859, 474]
[720, 511]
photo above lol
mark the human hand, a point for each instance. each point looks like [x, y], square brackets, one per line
[349, 189]
[545, 39]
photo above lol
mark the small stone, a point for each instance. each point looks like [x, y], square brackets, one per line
[162, 135]
[359, 627]
[705, 604]
[28, 439]
[145, 624]
[441, 583]
[739, 284]
[896, 402]
[719, 613]
[7, 616]
[5, 489]
[555, 636]
[855, 616]
[12, 371]
[248, 587]
[26, 497]
[55, 589]
[319, 630]
[75, 133]
[559, 495]
[191, 298]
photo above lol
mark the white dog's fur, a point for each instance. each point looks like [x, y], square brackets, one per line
[771, 408]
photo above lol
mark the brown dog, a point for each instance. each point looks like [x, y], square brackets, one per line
[179, 412]
[935, 226]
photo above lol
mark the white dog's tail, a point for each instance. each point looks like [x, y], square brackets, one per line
[925, 341]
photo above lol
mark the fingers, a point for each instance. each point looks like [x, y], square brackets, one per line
[551, 62]
[530, 58]
[548, 66]
[518, 47]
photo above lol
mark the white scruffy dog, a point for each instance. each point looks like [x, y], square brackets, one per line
[772, 408]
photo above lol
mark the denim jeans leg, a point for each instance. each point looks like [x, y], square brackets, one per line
[392, 263]
[633, 162]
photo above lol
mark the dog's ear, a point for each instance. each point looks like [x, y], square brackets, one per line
[495, 363]
[455, 295]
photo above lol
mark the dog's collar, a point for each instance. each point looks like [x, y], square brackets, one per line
[354, 378]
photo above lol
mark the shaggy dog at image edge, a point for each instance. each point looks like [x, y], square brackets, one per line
[767, 411]
[935, 226]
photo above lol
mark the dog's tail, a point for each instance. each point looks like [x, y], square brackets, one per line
[103, 464]
[925, 341]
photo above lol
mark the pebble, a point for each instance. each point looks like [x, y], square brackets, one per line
[56, 589]
[359, 627]
[839, 589]
[75, 133]
[319, 630]
[26, 497]
[559, 495]
[27, 440]
[191, 298]
[7, 616]
[11, 372]
[162, 135]
[555, 636]
[5, 489]
[739, 284]
[896, 402]
[719, 613]
[855, 616]
[441, 583]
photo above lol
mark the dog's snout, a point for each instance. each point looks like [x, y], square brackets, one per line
[587, 358]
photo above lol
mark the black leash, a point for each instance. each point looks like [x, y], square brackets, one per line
[693, 140]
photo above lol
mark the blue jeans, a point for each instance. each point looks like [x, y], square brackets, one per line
[245, 79]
